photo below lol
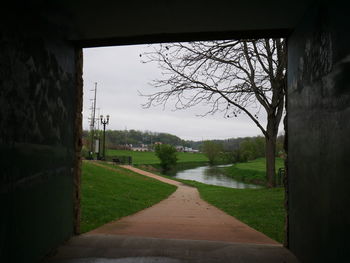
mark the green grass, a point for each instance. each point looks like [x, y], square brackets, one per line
[261, 209]
[151, 158]
[109, 195]
[259, 164]
[252, 171]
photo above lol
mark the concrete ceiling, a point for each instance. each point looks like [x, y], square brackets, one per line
[120, 22]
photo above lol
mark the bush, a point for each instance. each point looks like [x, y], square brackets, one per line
[167, 155]
[212, 150]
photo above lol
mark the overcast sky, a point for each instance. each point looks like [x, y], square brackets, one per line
[120, 74]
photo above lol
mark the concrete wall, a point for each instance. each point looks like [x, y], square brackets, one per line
[127, 22]
[37, 147]
[319, 135]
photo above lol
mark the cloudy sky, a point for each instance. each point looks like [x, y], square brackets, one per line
[120, 76]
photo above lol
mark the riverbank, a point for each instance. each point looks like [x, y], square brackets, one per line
[253, 172]
[109, 195]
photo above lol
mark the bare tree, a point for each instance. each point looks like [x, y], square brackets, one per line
[232, 76]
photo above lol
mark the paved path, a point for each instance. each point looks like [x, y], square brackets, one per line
[184, 215]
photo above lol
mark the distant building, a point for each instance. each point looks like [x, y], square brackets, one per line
[180, 148]
[188, 149]
[140, 148]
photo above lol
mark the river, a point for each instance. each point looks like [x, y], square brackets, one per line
[211, 175]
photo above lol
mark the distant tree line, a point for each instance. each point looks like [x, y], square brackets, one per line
[218, 151]
[238, 149]
[117, 138]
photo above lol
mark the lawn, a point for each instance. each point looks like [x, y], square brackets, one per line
[252, 171]
[261, 209]
[151, 158]
[259, 164]
[109, 195]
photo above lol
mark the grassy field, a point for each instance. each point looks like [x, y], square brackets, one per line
[259, 164]
[108, 195]
[151, 158]
[252, 171]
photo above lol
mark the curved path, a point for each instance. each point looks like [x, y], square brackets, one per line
[184, 215]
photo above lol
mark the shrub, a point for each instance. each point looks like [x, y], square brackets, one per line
[167, 155]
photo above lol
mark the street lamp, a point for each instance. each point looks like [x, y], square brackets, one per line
[104, 122]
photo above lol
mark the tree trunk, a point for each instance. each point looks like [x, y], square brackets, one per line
[270, 155]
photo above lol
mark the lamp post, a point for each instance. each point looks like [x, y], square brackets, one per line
[104, 122]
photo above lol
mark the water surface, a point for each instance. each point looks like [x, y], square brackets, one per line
[211, 175]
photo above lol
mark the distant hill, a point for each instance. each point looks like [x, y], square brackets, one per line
[136, 137]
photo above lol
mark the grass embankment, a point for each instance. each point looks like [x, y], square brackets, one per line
[262, 209]
[252, 171]
[109, 195]
[151, 158]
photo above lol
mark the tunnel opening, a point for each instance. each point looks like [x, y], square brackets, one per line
[90, 85]
[40, 105]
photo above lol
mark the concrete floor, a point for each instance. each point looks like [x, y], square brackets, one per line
[114, 249]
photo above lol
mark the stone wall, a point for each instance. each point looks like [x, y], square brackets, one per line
[319, 129]
[37, 147]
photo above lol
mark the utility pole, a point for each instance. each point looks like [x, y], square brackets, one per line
[98, 137]
[92, 122]
[98, 123]
[126, 134]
